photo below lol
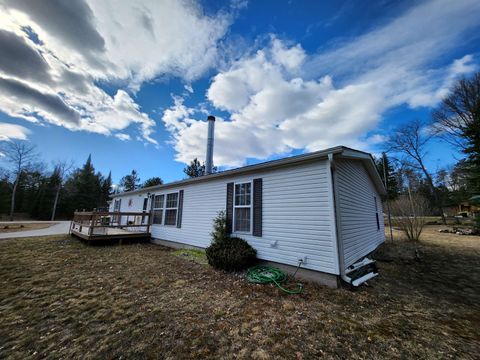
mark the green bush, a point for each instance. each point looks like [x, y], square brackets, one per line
[231, 254]
[219, 232]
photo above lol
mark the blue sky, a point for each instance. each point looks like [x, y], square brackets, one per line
[132, 83]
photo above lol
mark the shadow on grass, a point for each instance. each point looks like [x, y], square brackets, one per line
[440, 273]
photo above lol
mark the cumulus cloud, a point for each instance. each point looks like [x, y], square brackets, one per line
[19, 98]
[13, 131]
[55, 53]
[20, 59]
[281, 99]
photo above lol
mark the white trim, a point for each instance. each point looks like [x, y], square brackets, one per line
[172, 208]
[157, 209]
[332, 198]
[243, 206]
[164, 208]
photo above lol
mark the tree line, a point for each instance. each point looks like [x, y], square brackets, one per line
[29, 187]
[403, 163]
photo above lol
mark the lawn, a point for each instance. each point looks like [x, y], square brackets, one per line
[14, 227]
[62, 299]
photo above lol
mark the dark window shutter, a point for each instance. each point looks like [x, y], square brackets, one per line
[180, 209]
[229, 208]
[150, 218]
[257, 206]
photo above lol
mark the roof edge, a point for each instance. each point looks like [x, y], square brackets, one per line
[250, 168]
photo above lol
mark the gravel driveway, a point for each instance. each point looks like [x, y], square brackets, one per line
[61, 227]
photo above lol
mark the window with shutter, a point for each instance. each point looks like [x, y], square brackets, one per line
[242, 207]
[257, 207]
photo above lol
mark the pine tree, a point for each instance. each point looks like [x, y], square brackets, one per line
[472, 150]
[130, 182]
[152, 182]
[392, 183]
[106, 190]
[195, 169]
[83, 189]
[5, 194]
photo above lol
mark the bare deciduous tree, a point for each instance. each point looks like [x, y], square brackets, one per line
[20, 154]
[459, 111]
[409, 215]
[60, 173]
[410, 142]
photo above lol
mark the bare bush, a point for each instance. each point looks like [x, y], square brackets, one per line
[409, 215]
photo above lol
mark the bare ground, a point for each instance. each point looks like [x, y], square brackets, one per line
[62, 299]
[14, 227]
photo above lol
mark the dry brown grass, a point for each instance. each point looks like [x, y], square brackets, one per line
[14, 227]
[62, 299]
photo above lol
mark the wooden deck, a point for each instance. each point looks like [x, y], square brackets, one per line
[93, 225]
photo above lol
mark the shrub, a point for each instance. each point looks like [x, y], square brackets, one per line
[219, 232]
[409, 215]
[231, 254]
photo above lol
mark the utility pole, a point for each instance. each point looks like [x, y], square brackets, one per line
[384, 156]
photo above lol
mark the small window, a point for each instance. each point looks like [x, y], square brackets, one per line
[171, 209]
[376, 212]
[158, 209]
[243, 207]
[117, 204]
[145, 206]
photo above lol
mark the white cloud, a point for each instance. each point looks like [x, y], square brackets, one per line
[291, 58]
[122, 137]
[280, 99]
[13, 131]
[151, 38]
[84, 43]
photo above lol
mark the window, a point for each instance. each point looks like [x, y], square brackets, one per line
[168, 207]
[171, 209]
[376, 212]
[242, 211]
[145, 206]
[116, 208]
[158, 203]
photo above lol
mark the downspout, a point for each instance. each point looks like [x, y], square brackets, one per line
[341, 262]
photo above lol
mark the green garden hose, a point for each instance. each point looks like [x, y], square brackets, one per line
[263, 274]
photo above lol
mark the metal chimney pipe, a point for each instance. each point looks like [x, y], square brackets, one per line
[209, 159]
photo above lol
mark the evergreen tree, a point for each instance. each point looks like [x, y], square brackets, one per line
[195, 169]
[106, 190]
[473, 155]
[83, 189]
[152, 182]
[5, 192]
[392, 183]
[130, 182]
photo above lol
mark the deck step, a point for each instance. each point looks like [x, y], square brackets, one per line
[358, 265]
[361, 271]
[364, 278]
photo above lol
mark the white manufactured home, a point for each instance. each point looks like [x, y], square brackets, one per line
[321, 210]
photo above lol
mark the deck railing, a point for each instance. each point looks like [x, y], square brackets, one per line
[97, 223]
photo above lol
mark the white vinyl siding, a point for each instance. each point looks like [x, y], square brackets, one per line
[359, 205]
[297, 215]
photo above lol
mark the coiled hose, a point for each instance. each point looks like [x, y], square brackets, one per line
[263, 274]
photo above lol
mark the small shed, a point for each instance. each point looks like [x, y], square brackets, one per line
[322, 210]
